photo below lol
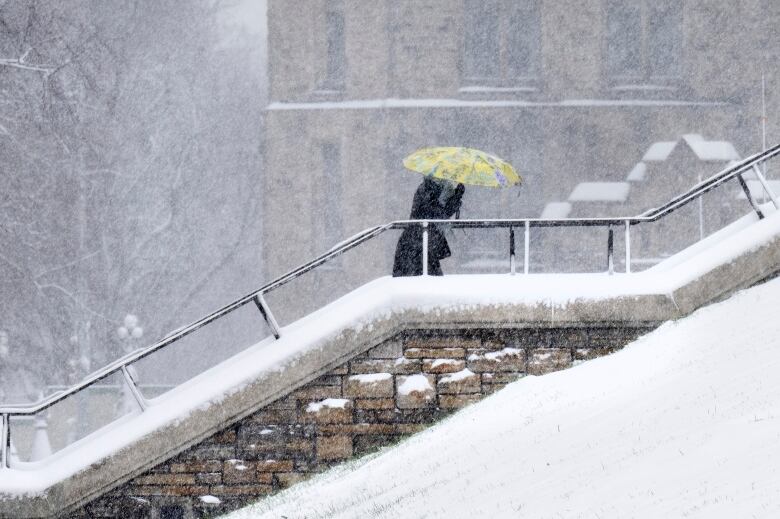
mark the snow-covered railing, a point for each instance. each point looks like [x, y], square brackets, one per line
[123, 365]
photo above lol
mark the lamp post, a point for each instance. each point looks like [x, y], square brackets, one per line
[128, 333]
[79, 365]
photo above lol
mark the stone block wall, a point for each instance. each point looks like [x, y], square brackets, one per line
[377, 398]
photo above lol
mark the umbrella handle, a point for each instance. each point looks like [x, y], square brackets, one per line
[457, 217]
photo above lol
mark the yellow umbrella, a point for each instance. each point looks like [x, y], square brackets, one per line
[463, 165]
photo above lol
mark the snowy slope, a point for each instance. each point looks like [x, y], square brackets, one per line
[685, 422]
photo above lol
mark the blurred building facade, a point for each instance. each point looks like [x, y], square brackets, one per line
[569, 92]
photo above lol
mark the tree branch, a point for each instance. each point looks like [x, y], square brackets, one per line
[18, 63]
[66, 265]
[72, 297]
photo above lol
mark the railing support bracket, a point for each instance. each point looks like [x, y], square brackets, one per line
[5, 441]
[267, 315]
[425, 249]
[131, 385]
[527, 247]
[749, 196]
[628, 247]
[512, 266]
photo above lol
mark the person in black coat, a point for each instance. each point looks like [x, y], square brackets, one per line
[434, 200]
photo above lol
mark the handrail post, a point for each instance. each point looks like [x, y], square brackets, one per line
[765, 185]
[526, 246]
[749, 196]
[512, 267]
[610, 245]
[267, 315]
[130, 381]
[628, 246]
[425, 249]
[5, 441]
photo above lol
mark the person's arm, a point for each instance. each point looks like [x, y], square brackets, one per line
[427, 207]
[453, 203]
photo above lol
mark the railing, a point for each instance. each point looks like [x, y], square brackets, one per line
[123, 365]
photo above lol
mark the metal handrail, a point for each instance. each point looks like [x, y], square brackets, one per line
[121, 365]
[750, 163]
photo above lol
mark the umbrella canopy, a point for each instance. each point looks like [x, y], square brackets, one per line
[464, 166]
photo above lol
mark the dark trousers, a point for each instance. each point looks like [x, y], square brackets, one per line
[408, 261]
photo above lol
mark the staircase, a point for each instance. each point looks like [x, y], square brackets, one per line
[379, 363]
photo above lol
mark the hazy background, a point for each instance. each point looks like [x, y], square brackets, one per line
[130, 169]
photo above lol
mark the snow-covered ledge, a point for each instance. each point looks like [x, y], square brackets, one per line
[738, 256]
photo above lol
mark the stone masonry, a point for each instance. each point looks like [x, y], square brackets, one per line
[379, 397]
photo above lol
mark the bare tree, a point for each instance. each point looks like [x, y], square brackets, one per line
[130, 165]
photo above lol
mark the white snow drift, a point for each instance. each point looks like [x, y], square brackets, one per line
[685, 422]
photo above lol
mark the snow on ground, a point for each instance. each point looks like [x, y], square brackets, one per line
[556, 210]
[711, 151]
[600, 192]
[637, 173]
[659, 151]
[685, 422]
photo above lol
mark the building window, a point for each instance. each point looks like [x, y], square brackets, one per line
[644, 41]
[328, 221]
[502, 44]
[335, 47]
